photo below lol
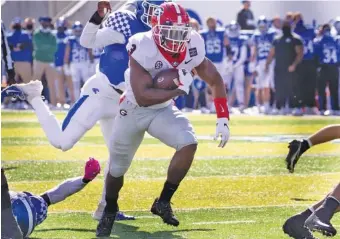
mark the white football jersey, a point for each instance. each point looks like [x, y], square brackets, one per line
[144, 50]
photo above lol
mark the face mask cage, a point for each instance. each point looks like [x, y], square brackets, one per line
[173, 38]
[149, 9]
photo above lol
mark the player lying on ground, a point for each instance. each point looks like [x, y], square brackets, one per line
[297, 148]
[315, 218]
[100, 94]
[148, 108]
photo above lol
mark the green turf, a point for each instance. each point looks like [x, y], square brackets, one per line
[243, 191]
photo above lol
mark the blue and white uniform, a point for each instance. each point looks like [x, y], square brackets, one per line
[238, 46]
[79, 64]
[263, 43]
[96, 52]
[214, 48]
[62, 40]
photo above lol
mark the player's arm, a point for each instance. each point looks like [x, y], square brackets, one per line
[270, 57]
[93, 37]
[142, 87]
[67, 54]
[208, 72]
[227, 46]
[243, 56]
[91, 56]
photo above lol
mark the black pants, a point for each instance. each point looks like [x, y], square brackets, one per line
[286, 89]
[307, 82]
[328, 74]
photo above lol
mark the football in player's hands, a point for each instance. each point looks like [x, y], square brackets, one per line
[166, 79]
[103, 7]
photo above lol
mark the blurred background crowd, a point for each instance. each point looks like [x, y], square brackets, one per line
[270, 65]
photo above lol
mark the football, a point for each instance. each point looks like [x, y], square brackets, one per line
[167, 79]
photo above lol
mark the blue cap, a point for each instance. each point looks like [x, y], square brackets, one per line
[45, 19]
[17, 20]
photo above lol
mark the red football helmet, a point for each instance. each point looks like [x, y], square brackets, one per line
[171, 27]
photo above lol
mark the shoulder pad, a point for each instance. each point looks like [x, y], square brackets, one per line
[220, 29]
[141, 45]
[121, 21]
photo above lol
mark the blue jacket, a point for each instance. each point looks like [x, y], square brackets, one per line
[26, 48]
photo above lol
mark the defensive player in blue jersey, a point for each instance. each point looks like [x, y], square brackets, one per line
[31, 210]
[214, 39]
[336, 25]
[63, 73]
[307, 68]
[100, 95]
[262, 42]
[238, 46]
[78, 59]
[327, 51]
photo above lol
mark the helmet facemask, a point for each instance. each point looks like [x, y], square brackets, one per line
[172, 38]
[149, 9]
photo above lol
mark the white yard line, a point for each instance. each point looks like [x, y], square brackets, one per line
[224, 222]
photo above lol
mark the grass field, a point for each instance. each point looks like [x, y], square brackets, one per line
[239, 192]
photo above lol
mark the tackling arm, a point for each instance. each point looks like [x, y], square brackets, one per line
[142, 87]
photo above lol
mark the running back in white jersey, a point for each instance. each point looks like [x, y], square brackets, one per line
[144, 50]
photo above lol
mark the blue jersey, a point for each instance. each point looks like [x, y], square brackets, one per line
[61, 46]
[307, 36]
[96, 52]
[236, 43]
[21, 37]
[78, 53]
[327, 50]
[114, 59]
[214, 44]
[337, 39]
[263, 43]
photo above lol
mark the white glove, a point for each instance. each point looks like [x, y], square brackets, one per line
[185, 80]
[222, 128]
[251, 67]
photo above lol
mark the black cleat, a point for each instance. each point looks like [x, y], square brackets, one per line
[314, 223]
[105, 224]
[164, 210]
[294, 227]
[293, 155]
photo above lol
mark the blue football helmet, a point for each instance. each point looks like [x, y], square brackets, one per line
[61, 22]
[145, 9]
[336, 24]
[77, 28]
[24, 212]
[233, 29]
[262, 24]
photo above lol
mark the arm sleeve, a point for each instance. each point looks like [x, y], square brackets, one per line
[93, 37]
[243, 56]
[65, 189]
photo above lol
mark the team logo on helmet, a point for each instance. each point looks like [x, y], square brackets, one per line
[158, 11]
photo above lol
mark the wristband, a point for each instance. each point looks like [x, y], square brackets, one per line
[96, 19]
[221, 106]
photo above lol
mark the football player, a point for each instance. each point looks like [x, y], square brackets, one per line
[170, 44]
[63, 73]
[100, 95]
[337, 38]
[77, 59]
[31, 210]
[238, 45]
[262, 42]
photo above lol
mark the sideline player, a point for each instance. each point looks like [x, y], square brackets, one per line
[238, 46]
[262, 42]
[170, 44]
[31, 210]
[100, 95]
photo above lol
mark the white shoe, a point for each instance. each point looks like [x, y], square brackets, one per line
[31, 90]
[97, 215]
[297, 112]
[205, 110]
[328, 113]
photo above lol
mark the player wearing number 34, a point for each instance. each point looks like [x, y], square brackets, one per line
[327, 51]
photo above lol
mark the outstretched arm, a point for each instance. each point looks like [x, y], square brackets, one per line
[72, 185]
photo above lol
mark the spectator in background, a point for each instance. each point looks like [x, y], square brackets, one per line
[63, 73]
[29, 25]
[289, 17]
[45, 46]
[21, 47]
[288, 52]
[337, 38]
[327, 50]
[245, 17]
[276, 25]
[307, 68]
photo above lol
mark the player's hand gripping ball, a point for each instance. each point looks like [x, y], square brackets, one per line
[103, 8]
